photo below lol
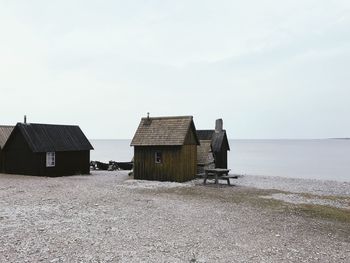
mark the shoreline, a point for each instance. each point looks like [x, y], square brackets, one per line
[320, 159]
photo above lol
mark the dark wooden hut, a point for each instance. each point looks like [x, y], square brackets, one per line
[5, 132]
[218, 147]
[47, 150]
[165, 149]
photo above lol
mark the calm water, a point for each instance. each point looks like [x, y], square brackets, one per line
[311, 159]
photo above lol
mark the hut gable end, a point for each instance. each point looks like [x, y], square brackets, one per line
[220, 141]
[191, 137]
[16, 141]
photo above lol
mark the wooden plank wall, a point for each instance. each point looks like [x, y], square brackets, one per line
[189, 162]
[178, 163]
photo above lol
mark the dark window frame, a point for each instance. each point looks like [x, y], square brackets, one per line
[158, 157]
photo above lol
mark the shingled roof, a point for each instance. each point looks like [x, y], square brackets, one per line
[205, 135]
[163, 131]
[217, 138]
[5, 132]
[53, 138]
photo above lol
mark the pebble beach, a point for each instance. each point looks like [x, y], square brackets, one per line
[109, 217]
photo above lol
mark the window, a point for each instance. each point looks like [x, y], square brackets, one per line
[158, 157]
[50, 159]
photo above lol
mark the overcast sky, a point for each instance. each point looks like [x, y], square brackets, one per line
[270, 69]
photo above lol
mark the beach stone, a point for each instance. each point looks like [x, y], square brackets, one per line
[145, 221]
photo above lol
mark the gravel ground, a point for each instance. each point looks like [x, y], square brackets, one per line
[296, 185]
[300, 199]
[302, 191]
[106, 217]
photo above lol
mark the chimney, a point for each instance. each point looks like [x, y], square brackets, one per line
[218, 125]
[25, 119]
[148, 120]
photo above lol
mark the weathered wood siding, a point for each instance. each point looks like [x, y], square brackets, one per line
[188, 162]
[190, 137]
[178, 163]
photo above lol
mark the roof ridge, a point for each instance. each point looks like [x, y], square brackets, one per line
[169, 117]
[54, 137]
[48, 124]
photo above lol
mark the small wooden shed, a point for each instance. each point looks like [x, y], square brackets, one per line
[165, 149]
[216, 154]
[5, 132]
[47, 150]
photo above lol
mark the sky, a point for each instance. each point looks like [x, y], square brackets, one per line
[271, 69]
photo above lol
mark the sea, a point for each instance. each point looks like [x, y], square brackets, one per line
[324, 159]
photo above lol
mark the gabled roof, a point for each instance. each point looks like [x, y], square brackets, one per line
[205, 135]
[5, 132]
[164, 131]
[53, 138]
[217, 138]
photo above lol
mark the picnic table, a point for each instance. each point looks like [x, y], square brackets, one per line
[218, 173]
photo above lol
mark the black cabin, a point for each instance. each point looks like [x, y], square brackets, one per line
[46, 150]
[218, 146]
